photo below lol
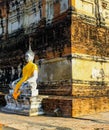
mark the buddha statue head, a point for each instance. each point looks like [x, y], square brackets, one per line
[29, 56]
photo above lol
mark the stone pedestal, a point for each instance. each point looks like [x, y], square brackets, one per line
[28, 103]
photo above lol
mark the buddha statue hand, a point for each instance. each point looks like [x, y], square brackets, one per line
[16, 94]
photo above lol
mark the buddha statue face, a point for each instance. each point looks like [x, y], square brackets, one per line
[29, 56]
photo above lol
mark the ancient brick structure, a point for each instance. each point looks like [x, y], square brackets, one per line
[71, 42]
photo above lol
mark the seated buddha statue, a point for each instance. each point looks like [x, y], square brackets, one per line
[22, 89]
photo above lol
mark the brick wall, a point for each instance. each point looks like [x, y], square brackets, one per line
[89, 99]
[88, 38]
[86, 106]
[62, 103]
[84, 100]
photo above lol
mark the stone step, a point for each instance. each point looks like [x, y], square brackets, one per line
[60, 91]
[31, 112]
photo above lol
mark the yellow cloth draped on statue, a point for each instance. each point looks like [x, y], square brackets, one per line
[28, 71]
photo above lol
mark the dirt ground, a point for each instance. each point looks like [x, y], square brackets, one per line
[93, 122]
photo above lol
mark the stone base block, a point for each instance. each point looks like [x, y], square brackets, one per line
[69, 106]
[90, 105]
[58, 106]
